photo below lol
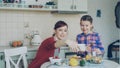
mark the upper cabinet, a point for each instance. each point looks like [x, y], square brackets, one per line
[46, 5]
[40, 5]
[71, 5]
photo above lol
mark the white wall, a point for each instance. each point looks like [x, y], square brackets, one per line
[105, 24]
[12, 23]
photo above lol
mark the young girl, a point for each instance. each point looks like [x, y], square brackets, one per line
[88, 36]
[51, 45]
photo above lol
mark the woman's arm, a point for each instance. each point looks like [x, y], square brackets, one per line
[71, 44]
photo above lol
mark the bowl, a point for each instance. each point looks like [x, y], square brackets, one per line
[96, 60]
[16, 43]
[55, 60]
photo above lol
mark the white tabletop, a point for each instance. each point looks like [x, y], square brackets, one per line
[104, 64]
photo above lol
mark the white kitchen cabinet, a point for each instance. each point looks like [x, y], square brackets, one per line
[59, 5]
[32, 5]
[2, 61]
[31, 55]
[71, 5]
[80, 5]
[64, 5]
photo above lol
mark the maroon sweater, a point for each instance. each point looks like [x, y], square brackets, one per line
[45, 51]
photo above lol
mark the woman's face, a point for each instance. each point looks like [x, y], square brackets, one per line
[61, 32]
[86, 26]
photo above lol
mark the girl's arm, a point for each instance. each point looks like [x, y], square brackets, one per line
[99, 44]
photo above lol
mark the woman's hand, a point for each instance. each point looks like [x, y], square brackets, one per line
[72, 45]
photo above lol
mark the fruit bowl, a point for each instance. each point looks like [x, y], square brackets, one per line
[16, 43]
[55, 60]
[94, 59]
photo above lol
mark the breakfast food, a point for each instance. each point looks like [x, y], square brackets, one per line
[82, 62]
[88, 57]
[19, 43]
[97, 60]
[55, 57]
[55, 60]
[73, 61]
[14, 44]
[93, 59]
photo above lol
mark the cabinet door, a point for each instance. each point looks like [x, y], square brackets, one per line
[31, 55]
[80, 5]
[2, 60]
[65, 5]
[61, 54]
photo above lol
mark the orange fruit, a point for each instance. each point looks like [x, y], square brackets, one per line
[14, 44]
[19, 43]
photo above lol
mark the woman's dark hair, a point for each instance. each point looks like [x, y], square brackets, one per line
[59, 24]
[87, 18]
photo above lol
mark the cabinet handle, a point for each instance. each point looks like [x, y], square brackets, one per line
[26, 55]
[71, 7]
[1, 57]
[75, 7]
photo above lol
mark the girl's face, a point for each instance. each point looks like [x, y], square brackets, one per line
[61, 32]
[86, 26]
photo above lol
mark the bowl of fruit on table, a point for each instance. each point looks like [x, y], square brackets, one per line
[55, 60]
[94, 59]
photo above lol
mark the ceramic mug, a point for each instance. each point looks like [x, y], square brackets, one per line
[82, 47]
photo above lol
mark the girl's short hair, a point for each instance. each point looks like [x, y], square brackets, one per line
[87, 18]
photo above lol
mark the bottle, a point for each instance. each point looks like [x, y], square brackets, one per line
[36, 40]
[82, 62]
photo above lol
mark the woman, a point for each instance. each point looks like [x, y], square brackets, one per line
[50, 45]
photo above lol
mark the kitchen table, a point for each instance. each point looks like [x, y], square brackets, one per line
[104, 64]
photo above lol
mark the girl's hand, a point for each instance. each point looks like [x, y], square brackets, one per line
[89, 49]
[98, 51]
[73, 45]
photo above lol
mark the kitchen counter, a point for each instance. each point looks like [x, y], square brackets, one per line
[30, 47]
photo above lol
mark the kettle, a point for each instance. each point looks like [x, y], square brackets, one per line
[36, 40]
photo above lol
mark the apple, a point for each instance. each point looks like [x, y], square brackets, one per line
[55, 57]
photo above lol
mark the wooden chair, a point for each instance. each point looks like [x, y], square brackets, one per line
[116, 50]
[114, 47]
[10, 55]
